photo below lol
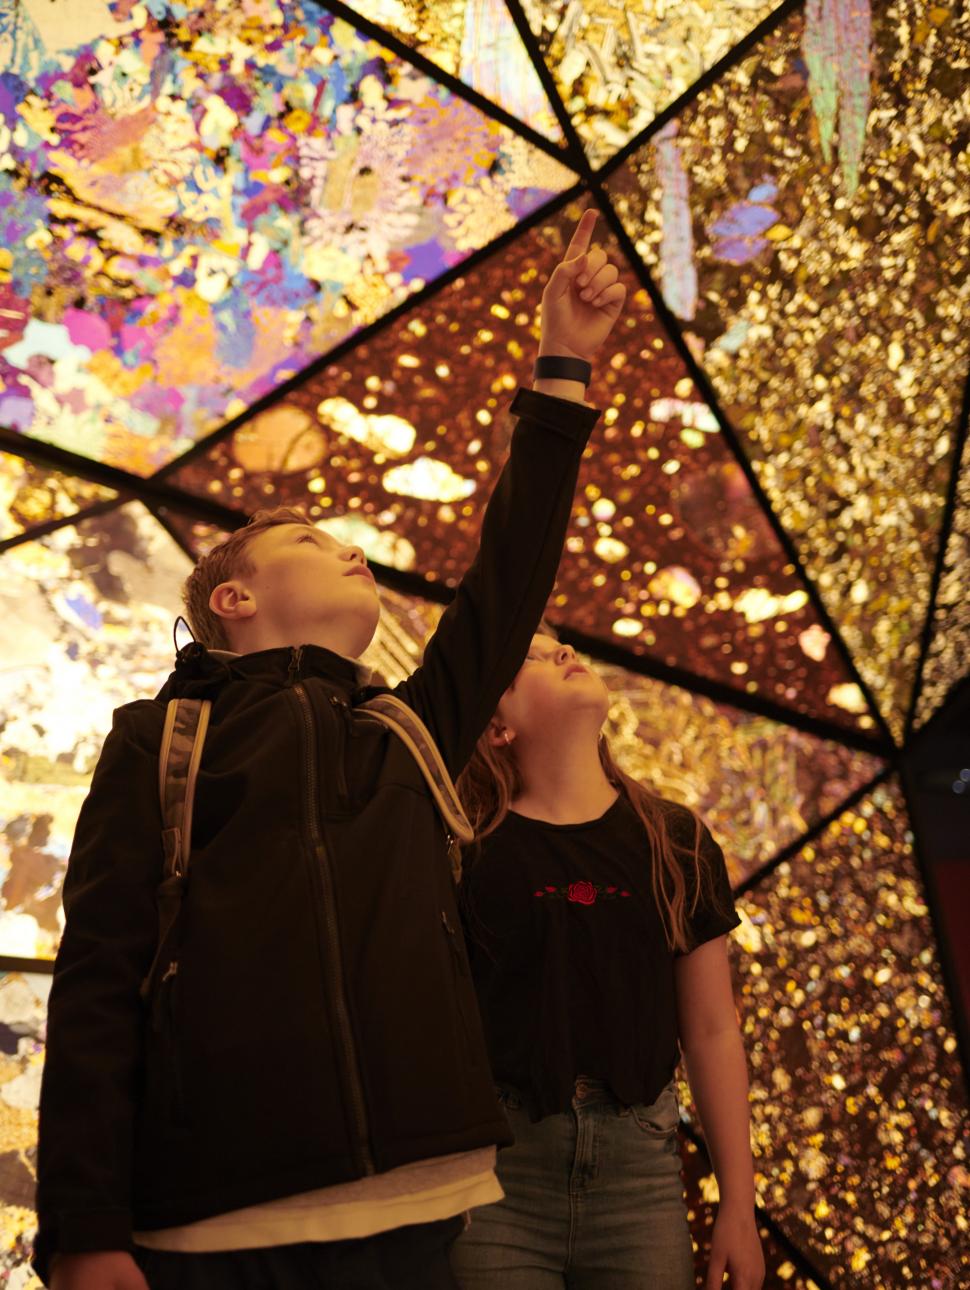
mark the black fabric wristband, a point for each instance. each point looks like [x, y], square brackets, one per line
[552, 367]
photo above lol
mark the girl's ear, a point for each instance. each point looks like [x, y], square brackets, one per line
[497, 732]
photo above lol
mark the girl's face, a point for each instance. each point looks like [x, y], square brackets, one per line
[551, 692]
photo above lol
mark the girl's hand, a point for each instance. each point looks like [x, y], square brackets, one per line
[582, 299]
[736, 1249]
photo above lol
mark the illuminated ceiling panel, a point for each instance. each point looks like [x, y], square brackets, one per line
[477, 41]
[822, 277]
[31, 495]
[857, 1095]
[232, 192]
[619, 65]
[700, 1187]
[948, 656]
[86, 619]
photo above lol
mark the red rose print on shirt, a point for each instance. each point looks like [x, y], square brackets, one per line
[583, 893]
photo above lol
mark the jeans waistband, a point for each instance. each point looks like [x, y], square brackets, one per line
[588, 1089]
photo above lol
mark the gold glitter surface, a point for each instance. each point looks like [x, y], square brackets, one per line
[758, 784]
[668, 548]
[86, 618]
[830, 321]
[618, 65]
[23, 1008]
[477, 41]
[700, 1187]
[32, 495]
[858, 1102]
[948, 657]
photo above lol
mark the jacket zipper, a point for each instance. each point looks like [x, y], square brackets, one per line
[340, 709]
[341, 1011]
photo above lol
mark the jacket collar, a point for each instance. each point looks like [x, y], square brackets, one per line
[201, 673]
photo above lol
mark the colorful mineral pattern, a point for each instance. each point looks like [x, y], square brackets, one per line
[278, 251]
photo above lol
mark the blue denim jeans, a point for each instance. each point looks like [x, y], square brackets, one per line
[593, 1201]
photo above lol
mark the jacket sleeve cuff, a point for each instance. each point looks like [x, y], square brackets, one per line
[573, 420]
[81, 1232]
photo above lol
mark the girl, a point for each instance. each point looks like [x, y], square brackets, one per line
[595, 915]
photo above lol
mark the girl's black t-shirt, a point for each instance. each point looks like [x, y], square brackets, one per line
[569, 957]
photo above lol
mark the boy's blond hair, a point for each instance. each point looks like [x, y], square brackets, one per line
[230, 559]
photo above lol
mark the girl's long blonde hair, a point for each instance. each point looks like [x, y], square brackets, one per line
[492, 781]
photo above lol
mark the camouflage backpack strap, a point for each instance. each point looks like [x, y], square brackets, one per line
[186, 722]
[412, 731]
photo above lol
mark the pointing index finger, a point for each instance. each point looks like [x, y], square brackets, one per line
[582, 234]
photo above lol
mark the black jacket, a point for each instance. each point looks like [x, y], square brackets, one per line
[322, 1025]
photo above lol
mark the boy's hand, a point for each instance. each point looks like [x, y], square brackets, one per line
[582, 299]
[105, 1270]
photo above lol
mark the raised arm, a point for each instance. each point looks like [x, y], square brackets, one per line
[484, 634]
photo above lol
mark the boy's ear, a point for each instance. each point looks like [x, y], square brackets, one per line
[232, 600]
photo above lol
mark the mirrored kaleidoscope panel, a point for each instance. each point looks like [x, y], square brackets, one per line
[205, 198]
[858, 1100]
[31, 495]
[759, 785]
[811, 232]
[618, 65]
[701, 1193]
[23, 1013]
[85, 625]
[477, 41]
[669, 551]
[948, 656]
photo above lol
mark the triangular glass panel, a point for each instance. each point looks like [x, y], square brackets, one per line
[619, 63]
[32, 494]
[855, 1074]
[702, 1198]
[476, 41]
[669, 552]
[85, 626]
[820, 282]
[23, 1022]
[759, 784]
[219, 203]
[948, 656]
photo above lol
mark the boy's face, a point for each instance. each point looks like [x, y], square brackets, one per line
[306, 588]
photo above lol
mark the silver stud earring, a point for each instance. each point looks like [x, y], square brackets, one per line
[506, 737]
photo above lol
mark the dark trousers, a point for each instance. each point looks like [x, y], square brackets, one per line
[407, 1258]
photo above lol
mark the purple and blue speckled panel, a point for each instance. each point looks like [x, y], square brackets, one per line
[197, 201]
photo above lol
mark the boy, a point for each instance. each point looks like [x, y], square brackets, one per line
[307, 1099]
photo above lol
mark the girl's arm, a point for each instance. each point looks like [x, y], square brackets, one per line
[718, 1075]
